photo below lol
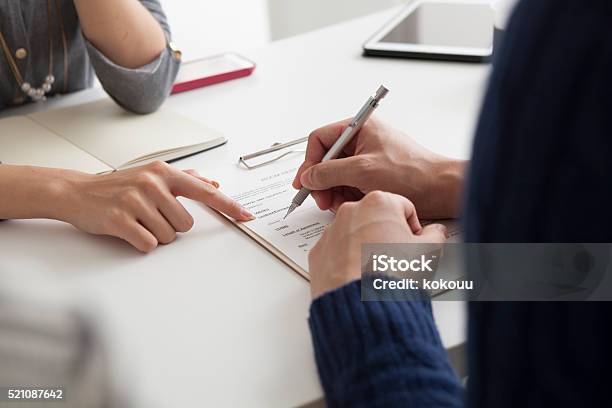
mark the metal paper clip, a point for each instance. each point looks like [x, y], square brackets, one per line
[275, 147]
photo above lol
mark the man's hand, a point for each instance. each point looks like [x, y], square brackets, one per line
[377, 218]
[380, 158]
[139, 205]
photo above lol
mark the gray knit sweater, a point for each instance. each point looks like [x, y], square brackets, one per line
[24, 24]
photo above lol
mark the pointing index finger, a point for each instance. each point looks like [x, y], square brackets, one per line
[185, 185]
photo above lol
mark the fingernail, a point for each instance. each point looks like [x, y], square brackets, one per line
[246, 214]
[215, 184]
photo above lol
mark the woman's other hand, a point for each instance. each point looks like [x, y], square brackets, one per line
[139, 205]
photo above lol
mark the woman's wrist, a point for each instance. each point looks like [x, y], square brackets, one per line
[62, 191]
[36, 192]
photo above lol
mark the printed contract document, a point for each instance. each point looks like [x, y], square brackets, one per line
[267, 193]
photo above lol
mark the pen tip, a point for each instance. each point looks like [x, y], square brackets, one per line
[290, 210]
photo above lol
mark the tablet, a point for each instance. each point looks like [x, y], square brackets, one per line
[437, 29]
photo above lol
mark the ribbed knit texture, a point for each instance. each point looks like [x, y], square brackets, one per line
[383, 354]
[541, 172]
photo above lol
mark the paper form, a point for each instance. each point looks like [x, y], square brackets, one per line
[267, 193]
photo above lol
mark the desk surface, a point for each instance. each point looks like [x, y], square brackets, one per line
[213, 317]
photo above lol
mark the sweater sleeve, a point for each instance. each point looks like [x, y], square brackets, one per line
[144, 89]
[374, 354]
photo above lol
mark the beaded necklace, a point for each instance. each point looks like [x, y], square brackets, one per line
[39, 94]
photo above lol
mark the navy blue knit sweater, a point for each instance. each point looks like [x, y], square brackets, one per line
[542, 161]
[380, 353]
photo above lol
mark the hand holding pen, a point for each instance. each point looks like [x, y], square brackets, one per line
[345, 138]
[380, 157]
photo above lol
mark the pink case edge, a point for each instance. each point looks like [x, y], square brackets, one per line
[212, 80]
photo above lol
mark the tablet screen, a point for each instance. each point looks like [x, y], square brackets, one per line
[445, 24]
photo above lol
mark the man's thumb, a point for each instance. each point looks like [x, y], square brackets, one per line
[332, 173]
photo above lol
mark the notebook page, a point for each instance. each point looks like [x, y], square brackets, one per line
[118, 137]
[24, 142]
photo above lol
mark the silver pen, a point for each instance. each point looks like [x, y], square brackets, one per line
[353, 128]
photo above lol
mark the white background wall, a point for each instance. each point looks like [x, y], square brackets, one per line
[204, 27]
[290, 17]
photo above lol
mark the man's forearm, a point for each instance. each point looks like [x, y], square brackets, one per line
[380, 353]
[123, 30]
[31, 192]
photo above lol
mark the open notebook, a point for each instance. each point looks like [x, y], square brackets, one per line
[100, 137]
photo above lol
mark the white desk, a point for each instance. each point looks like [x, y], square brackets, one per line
[213, 319]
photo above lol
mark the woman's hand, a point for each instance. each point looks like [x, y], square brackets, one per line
[139, 205]
[378, 218]
[380, 158]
